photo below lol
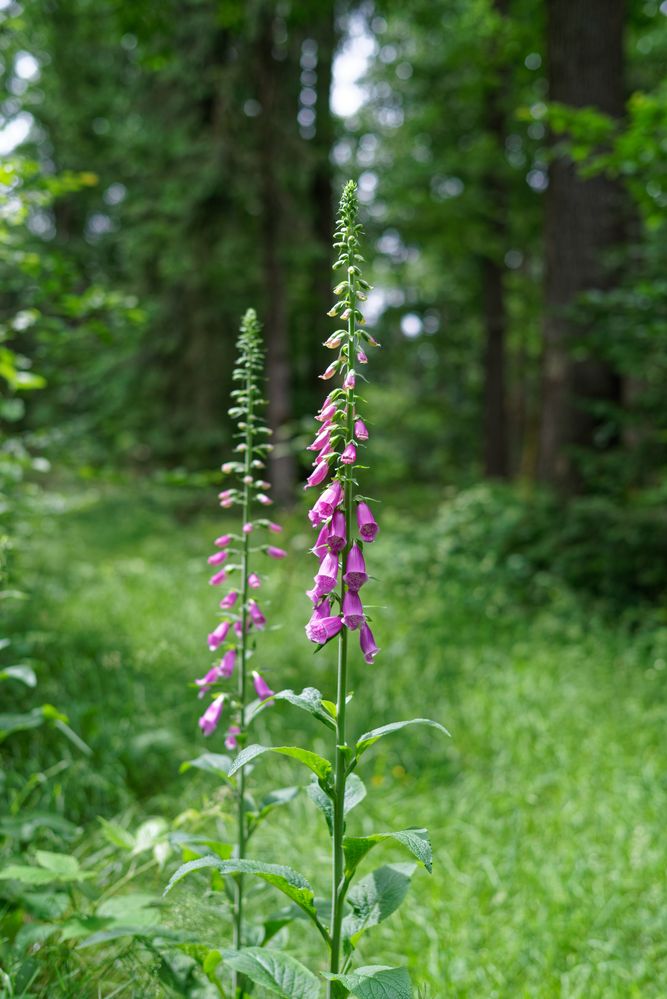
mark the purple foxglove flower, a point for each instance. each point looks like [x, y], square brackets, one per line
[227, 502]
[273, 552]
[218, 635]
[225, 494]
[231, 741]
[321, 629]
[337, 533]
[276, 528]
[258, 618]
[350, 379]
[371, 339]
[238, 629]
[327, 574]
[322, 438]
[318, 476]
[361, 357]
[360, 430]
[223, 540]
[218, 578]
[206, 682]
[254, 582]
[355, 572]
[227, 663]
[367, 643]
[264, 499]
[209, 720]
[353, 611]
[228, 467]
[247, 528]
[368, 529]
[328, 410]
[262, 688]
[349, 455]
[229, 600]
[329, 500]
[330, 371]
[247, 480]
[333, 341]
[218, 558]
[320, 547]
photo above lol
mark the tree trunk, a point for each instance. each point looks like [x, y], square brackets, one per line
[279, 410]
[583, 222]
[496, 462]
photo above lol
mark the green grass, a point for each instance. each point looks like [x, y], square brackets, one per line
[546, 807]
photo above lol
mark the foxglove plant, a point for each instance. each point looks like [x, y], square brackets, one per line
[346, 525]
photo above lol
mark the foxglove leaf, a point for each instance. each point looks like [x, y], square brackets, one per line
[275, 971]
[375, 897]
[369, 738]
[376, 982]
[320, 767]
[416, 841]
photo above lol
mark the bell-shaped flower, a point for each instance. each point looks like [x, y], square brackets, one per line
[258, 618]
[206, 682]
[264, 499]
[353, 611]
[349, 455]
[355, 569]
[262, 688]
[229, 600]
[367, 643]
[247, 528]
[350, 379]
[337, 533]
[218, 635]
[217, 558]
[227, 663]
[209, 720]
[276, 528]
[368, 528]
[360, 430]
[254, 582]
[327, 574]
[318, 476]
[218, 578]
[273, 552]
[321, 546]
[223, 540]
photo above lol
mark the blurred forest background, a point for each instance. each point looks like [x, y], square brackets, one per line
[165, 166]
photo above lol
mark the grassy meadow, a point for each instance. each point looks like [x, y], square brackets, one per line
[546, 806]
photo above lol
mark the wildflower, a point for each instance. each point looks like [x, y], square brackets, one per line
[254, 582]
[326, 412]
[264, 499]
[367, 643]
[231, 741]
[360, 430]
[361, 357]
[227, 663]
[328, 501]
[320, 547]
[355, 573]
[318, 476]
[218, 578]
[258, 618]
[218, 558]
[206, 682]
[229, 600]
[247, 528]
[218, 635]
[276, 528]
[262, 688]
[323, 627]
[273, 552]
[349, 455]
[353, 611]
[330, 371]
[368, 529]
[337, 533]
[350, 379]
[209, 720]
[228, 467]
[327, 574]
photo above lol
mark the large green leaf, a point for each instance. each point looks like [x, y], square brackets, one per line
[213, 763]
[275, 971]
[415, 840]
[375, 897]
[285, 879]
[376, 982]
[369, 738]
[52, 867]
[320, 767]
[309, 700]
[355, 792]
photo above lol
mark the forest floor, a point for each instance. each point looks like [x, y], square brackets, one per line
[546, 807]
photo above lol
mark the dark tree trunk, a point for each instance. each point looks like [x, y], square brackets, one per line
[496, 462]
[322, 188]
[275, 322]
[583, 222]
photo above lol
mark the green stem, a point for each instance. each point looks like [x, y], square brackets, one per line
[338, 884]
[238, 986]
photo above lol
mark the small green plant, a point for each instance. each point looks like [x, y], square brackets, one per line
[346, 525]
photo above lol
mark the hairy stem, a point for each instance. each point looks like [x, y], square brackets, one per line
[339, 886]
[238, 987]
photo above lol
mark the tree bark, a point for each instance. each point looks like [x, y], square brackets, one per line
[583, 222]
[279, 410]
[496, 458]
